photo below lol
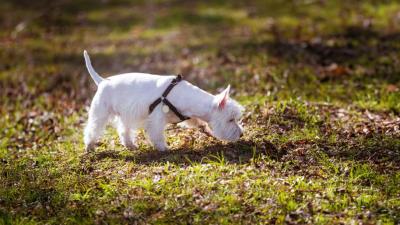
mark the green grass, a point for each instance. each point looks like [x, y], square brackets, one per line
[319, 81]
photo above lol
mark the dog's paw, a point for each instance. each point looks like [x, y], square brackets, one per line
[129, 144]
[161, 147]
[90, 147]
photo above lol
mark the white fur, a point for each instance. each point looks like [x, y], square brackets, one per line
[126, 97]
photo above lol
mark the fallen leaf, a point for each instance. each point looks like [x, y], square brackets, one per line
[392, 88]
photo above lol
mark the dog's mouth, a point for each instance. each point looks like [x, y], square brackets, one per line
[232, 138]
[236, 135]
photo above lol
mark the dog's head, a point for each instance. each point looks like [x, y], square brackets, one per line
[225, 117]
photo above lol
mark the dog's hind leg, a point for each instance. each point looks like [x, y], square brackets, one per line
[98, 118]
[155, 130]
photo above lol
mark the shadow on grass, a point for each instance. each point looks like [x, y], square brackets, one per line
[240, 152]
[384, 154]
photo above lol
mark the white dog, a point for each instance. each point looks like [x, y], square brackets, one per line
[127, 98]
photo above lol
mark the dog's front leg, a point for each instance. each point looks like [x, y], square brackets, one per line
[126, 134]
[155, 130]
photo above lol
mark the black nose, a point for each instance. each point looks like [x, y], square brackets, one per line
[241, 134]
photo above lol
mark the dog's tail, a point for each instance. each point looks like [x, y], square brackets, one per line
[95, 76]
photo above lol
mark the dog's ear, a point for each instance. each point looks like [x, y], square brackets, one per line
[222, 97]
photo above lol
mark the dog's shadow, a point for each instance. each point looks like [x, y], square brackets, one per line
[240, 152]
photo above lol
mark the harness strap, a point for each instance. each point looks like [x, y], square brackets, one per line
[164, 99]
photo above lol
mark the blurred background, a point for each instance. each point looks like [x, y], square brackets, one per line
[319, 80]
[259, 46]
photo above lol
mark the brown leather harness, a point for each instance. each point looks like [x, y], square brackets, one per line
[164, 99]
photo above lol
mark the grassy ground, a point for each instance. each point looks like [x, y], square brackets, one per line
[319, 80]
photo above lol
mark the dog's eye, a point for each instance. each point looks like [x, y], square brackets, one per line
[232, 120]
